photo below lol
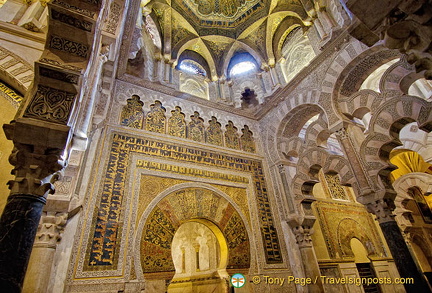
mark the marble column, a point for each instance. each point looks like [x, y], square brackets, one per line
[34, 167]
[17, 227]
[48, 235]
[382, 209]
[285, 185]
[380, 203]
[310, 262]
[301, 226]
[363, 181]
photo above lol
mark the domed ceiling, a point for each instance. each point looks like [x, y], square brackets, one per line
[209, 16]
[215, 30]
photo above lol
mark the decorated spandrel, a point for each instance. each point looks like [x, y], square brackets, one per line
[247, 141]
[132, 114]
[156, 119]
[177, 123]
[231, 136]
[214, 132]
[196, 130]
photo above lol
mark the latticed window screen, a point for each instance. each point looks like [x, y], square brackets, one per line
[336, 189]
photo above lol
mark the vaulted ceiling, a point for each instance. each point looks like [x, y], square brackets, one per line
[217, 29]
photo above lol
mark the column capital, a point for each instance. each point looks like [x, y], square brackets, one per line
[342, 133]
[382, 209]
[303, 235]
[50, 229]
[34, 169]
[281, 168]
[37, 155]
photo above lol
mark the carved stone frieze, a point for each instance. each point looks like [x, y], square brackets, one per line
[70, 20]
[363, 68]
[58, 75]
[403, 25]
[68, 46]
[59, 64]
[113, 19]
[94, 2]
[50, 104]
[75, 9]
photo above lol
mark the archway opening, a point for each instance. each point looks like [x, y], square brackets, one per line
[360, 252]
[364, 265]
[200, 255]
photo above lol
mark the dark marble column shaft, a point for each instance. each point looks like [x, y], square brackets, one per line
[18, 227]
[403, 258]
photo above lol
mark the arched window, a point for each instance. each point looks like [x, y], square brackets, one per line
[242, 68]
[192, 67]
[242, 64]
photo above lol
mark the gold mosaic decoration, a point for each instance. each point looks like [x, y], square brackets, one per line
[132, 114]
[176, 123]
[181, 206]
[226, 15]
[200, 173]
[103, 248]
[12, 96]
[334, 186]
[156, 119]
[151, 186]
[247, 141]
[196, 128]
[340, 222]
[214, 132]
[231, 136]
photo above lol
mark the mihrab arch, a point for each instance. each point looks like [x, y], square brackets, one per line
[185, 203]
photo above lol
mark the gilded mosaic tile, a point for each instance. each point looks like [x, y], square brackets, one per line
[181, 206]
[103, 248]
[340, 227]
[11, 95]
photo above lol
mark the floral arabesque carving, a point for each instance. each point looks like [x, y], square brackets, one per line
[50, 104]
